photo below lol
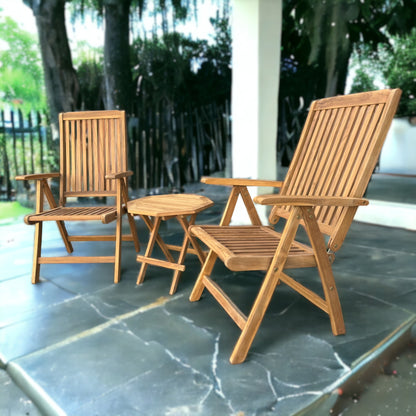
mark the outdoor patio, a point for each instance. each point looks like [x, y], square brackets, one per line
[77, 344]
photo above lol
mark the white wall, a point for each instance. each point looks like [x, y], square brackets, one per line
[399, 151]
[256, 26]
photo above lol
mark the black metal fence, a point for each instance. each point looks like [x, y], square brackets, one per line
[25, 147]
[167, 148]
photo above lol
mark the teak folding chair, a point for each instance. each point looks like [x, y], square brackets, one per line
[93, 163]
[331, 168]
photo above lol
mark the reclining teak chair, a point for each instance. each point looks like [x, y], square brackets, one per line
[331, 168]
[93, 163]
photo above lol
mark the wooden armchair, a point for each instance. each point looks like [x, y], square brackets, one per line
[336, 155]
[93, 163]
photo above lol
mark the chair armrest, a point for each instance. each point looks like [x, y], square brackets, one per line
[119, 175]
[240, 182]
[309, 200]
[37, 176]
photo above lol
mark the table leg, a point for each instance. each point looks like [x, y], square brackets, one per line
[159, 240]
[154, 234]
[188, 238]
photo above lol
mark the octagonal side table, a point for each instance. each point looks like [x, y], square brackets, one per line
[157, 208]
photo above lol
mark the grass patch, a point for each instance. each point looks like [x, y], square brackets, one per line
[12, 210]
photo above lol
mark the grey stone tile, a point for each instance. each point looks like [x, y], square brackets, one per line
[51, 325]
[19, 299]
[90, 347]
[13, 402]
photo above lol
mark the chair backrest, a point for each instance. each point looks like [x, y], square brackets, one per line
[337, 153]
[92, 145]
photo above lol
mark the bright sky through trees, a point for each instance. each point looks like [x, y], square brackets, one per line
[89, 31]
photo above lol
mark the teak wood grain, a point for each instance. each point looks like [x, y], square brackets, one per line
[93, 163]
[157, 208]
[331, 168]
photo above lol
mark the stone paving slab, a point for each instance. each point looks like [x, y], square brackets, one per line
[79, 345]
[13, 402]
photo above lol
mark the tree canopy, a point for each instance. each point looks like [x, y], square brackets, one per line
[318, 38]
[20, 68]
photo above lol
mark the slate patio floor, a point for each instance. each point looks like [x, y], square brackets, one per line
[76, 344]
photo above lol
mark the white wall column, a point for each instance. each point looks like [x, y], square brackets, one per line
[256, 30]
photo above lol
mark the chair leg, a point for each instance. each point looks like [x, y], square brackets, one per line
[117, 255]
[37, 251]
[205, 271]
[64, 236]
[255, 318]
[187, 239]
[119, 223]
[37, 245]
[325, 272]
[61, 225]
[267, 289]
[332, 299]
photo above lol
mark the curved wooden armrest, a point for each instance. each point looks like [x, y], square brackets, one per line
[38, 176]
[118, 175]
[309, 200]
[240, 182]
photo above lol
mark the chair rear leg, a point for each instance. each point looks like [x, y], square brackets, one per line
[65, 237]
[325, 272]
[331, 294]
[206, 271]
[43, 186]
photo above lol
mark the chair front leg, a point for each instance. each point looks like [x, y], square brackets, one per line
[117, 255]
[37, 245]
[267, 289]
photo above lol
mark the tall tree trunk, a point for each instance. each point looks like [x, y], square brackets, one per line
[117, 71]
[62, 87]
[330, 44]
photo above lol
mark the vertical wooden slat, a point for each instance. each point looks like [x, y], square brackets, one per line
[85, 139]
[107, 159]
[72, 154]
[122, 136]
[64, 149]
[90, 150]
[342, 165]
[101, 156]
[95, 152]
[332, 156]
[78, 164]
[316, 157]
[94, 142]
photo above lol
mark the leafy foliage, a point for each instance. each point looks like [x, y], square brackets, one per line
[319, 37]
[401, 72]
[362, 82]
[91, 78]
[179, 70]
[21, 76]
